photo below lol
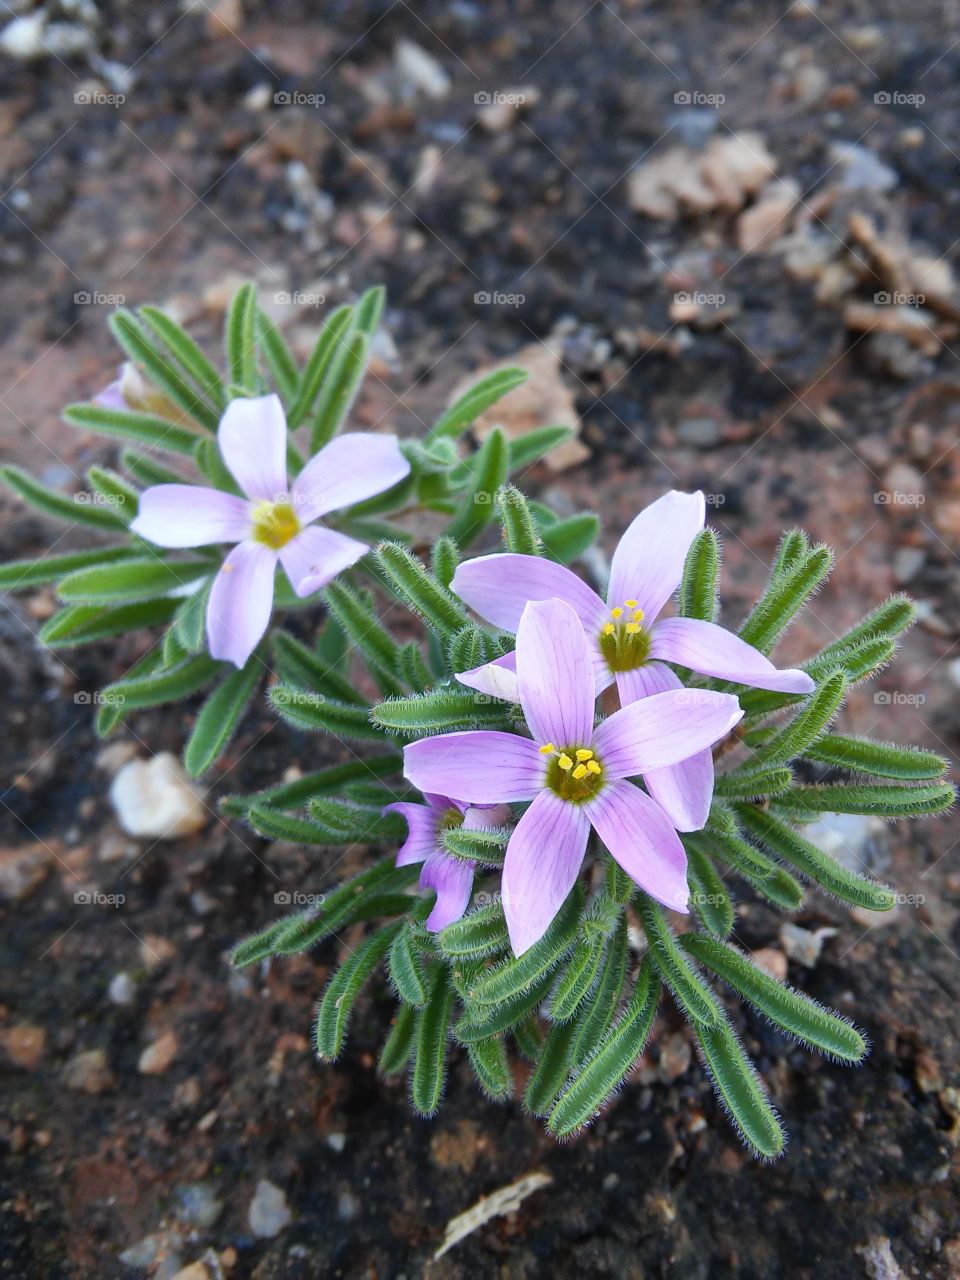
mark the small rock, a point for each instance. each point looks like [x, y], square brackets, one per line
[199, 1205]
[504, 109]
[269, 1212]
[904, 485]
[348, 1206]
[771, 961]
[336, 1141]
[675, 1056]
[854, 840]
[88, 1072]
[861, 169]
[682, 180]
[115, 755]
[878, 1260]
[224, 18]
[766, 221]
[23, 37]
[692, 125]
[122, 990]
[24, 1045]
[946, 517]
[156, 798]
[419, 71]
[701, 433]
[953, 671]
[804, 945]
[907, 563]
[157, 1057]
[155, 951]
[22, 871]
[194, 1271]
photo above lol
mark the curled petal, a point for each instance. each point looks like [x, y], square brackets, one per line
[483, 817]
[713, 651]
[555, 674]
[648, 563]
[663, 729]
[316, 555]
[497, 679]
[253, 440]
[499, 587]
[348, 470]
[188, 515]
[241, 598]
[542, 862]
[452, 878]
[642, 839]
[482, 766]
[423, 831]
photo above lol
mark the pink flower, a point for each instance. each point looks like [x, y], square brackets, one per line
[576, 773]
[273, 522]
[451, 877]
[629, 643]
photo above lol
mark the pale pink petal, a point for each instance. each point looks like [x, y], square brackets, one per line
[640, 836]
[112, 397]
[555, 674]
[348, 470]
[498, 588]
[481, 766]
[542, 863]
[663, 729]
[684, 791]
[241, 599]
[497, 679]
[316, 555]
[713, 651]
[648, 563]
[452, 878]
[189, 515]
[483, 817]
[253, 441]
[423, 831]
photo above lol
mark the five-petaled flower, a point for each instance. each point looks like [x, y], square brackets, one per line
[451, 877]
[575, 772]
[629, 644]
[273, 522]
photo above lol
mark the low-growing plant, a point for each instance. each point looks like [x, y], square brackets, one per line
[548, 872]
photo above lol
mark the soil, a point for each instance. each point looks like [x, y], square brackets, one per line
[770, 401]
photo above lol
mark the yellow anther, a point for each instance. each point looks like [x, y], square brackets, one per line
[584, 753]
[609, 629]
[638, 615]
[565, 762]
[616, 613]
[632, 628]
[579, 772]
[593, 766]
[547, 749]
[631, 604]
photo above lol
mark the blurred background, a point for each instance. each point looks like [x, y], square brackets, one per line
[722, 238]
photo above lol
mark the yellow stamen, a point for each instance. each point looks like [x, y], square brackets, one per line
[565, 762]
[547, 749]
[609, 629]
[632, 628]
[584, 753]
[631, 604]
[638, 615]
[579, 772]
[593, 767]
[616, 613]
[274, 524]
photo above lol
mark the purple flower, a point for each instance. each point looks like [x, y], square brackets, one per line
[574, 772]
[274, 522]
[451, 877]
[629, 644]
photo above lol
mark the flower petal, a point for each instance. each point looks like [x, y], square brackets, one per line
[497, 679]
[253, 440]
[453, 880]
[423, 831]
[713, 651]
[499, 587]
[542, 862]
[112, 397]
[663, 729]
[349, 469]
[481, 766]
[189, 515]
[316, 555]
[555, 674]
[642, 839]
[648, 563]
[684, 791]
[241, 598]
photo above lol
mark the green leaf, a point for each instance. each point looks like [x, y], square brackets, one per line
[887, 621]
[869, 798]
[814, 863]
[411, 582]
[292, 795]
[740, 1089]
[135, 693]
[240, 337]
[220, 716]
[488, 1020]
[551, 1070]
[480, 397]
[412, 668]
[490, 473]
[259, 947]
[113, 491]
[514, 977]
[520, 530]
[405, 968]
[566, 540]
[328, 341]
[17, 575]
[793, 547]
[747, 783]
[369, 309]
[147, 471]
[785, 596]
[78, 624]
[354, 823]
[114, 710]
[533, 445]
[446, 557]
[881, 759]
[594, 1022]
[481, 932]
[145, 428]
[278, 357]
[212, 467]
[470, 647]
[692, 994]
[339, 388]
[701, 574]
[300, 666]
[610, 1061]
[428, 1071]
[185, 351]
[345, 986]
[859, 663]
[579, 976]
[317, 713]
[426, 714]
[162, 373]
[709, 897]
[129, 580]
[488, 1058]
[485, 846]
[796, 1013]
[190, 623]
[756, 868]
[360, 624]
[808, 725]
[75, 510]
[399, 1043]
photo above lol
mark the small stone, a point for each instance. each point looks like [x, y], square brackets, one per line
[907, 563]
[503, 109]
[804, 945]
[771, 961]
[88, 1072]
[701, 433]
[269, 1212]
[157, 1057]
[336, 1141]
[419, 71]
[878, 1260]
[348, 1206]
[767, 220]
[23, 37]
[854, 840]
[22, 871]
[675, 1056]
[946, 517]
[194, 1271]
[115, 755]
[903, 485]
[861, 169]
[155, 951]
[24, 1045]
[122, 990]
[953, 671]
[156, 798]
[224, 18]
[199, 1205]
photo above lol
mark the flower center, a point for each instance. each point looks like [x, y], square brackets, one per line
[623, 641]
[451, 818]
[275, 523]
[573, 773]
